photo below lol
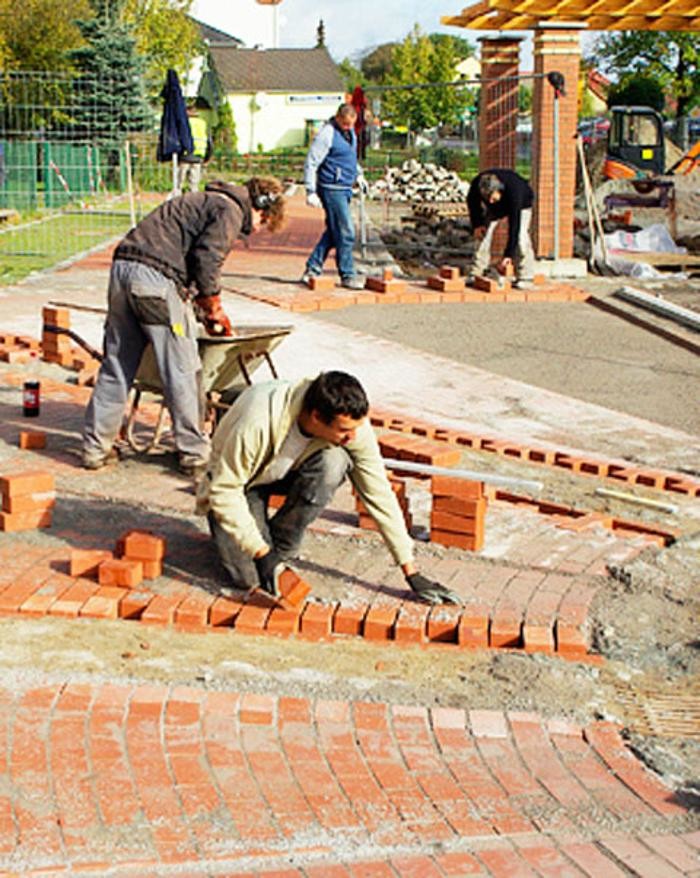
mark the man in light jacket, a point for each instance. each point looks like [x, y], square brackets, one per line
[300, 441]
[330, 172]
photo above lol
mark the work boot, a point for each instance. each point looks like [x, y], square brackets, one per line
[191, 466]
[98, 459]
[523, 284]
[353, 282]
[307, 275]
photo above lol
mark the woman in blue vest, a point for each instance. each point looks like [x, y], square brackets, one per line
[330, 171]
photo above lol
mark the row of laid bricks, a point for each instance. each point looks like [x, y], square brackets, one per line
[184, 775]
[659, 480]
[538, 612]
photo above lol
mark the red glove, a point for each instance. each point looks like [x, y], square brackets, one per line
[213, 316]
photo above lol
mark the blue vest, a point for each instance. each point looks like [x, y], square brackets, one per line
[339, 168]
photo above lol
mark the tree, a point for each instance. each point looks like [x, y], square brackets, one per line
[37, 34]
[671, 57]
[636, 90]
[461, 48]
[351, 75]
[376, 66]
[118, 103]
[419, 61]
[165, 36]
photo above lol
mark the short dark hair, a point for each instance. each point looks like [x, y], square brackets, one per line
[488, 184]
[336, 393]
[346, 111]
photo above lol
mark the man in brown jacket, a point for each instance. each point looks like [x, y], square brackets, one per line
[172, 258]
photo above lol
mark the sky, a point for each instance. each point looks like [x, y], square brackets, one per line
[352, 26]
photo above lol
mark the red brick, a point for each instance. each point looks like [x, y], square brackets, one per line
[224, 611]
[120, 571]
[282, 621]
[411, 624]
[465, 524]
[29, 502]
[473, 629]
[468, 542]
[31, 482]
[104, 604]
[492, 286]
[17, 521]
[447, 284]
[193, 611]
[451, 272]
[256, 709]
[538, 638]
[151, 569]
[252, 617]
[316, 621]
[451, 486]
[349, 620]
[144, 545]
[379, 623]
[293, 589]
[322, 283]
[56, 316]
[32, 439]
[134, 603]
[84, 562]
[161, 610]
[443, 623]
[366, 522]
[505, 630]
[71, 601]
[570, 639]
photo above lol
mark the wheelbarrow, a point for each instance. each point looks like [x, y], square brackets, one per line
[227, 366]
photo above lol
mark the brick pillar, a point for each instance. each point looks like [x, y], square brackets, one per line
[556, 48]
[498, 103]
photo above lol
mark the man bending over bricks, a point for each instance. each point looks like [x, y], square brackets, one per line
[171, 260]
[493, 196]
[300, 441]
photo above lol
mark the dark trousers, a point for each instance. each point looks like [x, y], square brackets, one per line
[307, 491]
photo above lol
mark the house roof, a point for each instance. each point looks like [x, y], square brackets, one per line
[213, 35]
[276, 69]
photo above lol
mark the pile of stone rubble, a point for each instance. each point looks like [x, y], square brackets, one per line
[419, 183]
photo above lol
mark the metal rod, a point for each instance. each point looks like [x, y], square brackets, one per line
[77, 307]
[556, 175]
[130, 184]
[659, 305]
[470, 475]
[639, 501]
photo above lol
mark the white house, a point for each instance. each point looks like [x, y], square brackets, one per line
[278, 97]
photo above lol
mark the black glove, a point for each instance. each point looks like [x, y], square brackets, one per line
[267, 568]
[430, 591]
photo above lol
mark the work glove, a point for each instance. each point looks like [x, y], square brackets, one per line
[213, 316]
[362, 184]
[269, 567]
[430, 591]
[313, 200]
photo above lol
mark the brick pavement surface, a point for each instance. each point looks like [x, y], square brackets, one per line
[139, 780]
[115, 779]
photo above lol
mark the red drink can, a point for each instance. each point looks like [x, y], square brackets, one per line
[31, 397]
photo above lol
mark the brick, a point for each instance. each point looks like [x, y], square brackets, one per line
[256, 709]
[411, 624]
[505, 630]
[322, 283]
[252, 617]
[32, 439]
[18, 521]
[120, 571]
[447, 284]
[84, 562]
[451, 486]
[161, 610]
[104, 604]
[366, 522]
[379, 623]
[29, 502]
[538, 638]
[193, 611]
[473, 628]
[134, 603]
[282, 622]
[144, 545]
[349, 620]
[443, 623]
[31, 482]
[491, 286]
[56, 316]
[468, 542]
[570, 639]
[223, 612]
[450, 272]
[151, 569]
[71, 601]
[464, 524]
[316, 621]
[293, 589]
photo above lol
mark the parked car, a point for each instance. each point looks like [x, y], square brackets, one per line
[594, 129]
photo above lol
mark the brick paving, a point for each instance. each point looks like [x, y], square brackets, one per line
[126, 779]
[136, 780]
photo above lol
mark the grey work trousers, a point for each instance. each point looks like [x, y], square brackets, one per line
[145, 306]
[307, 491]
[525, 258]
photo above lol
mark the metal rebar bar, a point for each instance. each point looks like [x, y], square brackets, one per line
[467, 474]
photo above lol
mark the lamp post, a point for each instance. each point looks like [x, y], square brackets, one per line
[275, 23]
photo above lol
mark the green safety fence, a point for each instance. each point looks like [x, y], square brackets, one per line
[19, 184]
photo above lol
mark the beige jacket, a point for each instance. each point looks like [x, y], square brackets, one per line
[248, 437]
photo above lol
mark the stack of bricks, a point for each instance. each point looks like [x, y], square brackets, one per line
[27, 501]
[458, 513]
[56, 346]
[17, 348]
[417, 449]
[144, 548]
[449, 280]
[138, 555]
[365, 520]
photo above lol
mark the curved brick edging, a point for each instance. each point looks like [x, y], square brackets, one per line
[122, 780]
[658, 480]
